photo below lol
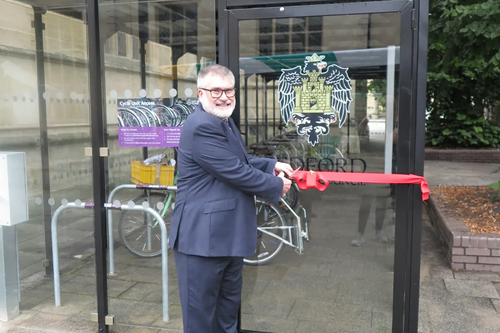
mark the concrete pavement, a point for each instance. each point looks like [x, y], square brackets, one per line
[333, 287]
[461, 302]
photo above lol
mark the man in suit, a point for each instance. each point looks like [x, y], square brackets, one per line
[214, 223]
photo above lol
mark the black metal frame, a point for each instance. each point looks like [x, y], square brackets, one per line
[410, 151]
[419, 88]
[98, 171]
[410, 148]
[39, 27]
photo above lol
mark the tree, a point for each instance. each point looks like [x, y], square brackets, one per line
[378, 87]
[463, 73]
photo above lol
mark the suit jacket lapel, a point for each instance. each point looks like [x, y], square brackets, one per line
[237, 137]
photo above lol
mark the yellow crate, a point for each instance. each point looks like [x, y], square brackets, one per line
[146, 174]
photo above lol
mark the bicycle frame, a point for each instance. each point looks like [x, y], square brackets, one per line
[296, 243]
[299, 246]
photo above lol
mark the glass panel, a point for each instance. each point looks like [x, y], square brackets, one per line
[341, 277]
[148, 97]
[45, 115]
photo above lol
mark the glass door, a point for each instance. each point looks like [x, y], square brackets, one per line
[322, 93]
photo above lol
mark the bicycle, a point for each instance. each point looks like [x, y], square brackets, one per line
[259, 150]
[273, 232]
[139, 233]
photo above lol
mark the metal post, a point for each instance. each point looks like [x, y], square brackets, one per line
[348, 132]
[222, 30]
[143, 39]
[98, 170]
[419, 90]
[274, 108]
[44, 141]
[9, 274]
[176, 54]
[389, 114]
[246, 109]
[257, 107]
[149, 232]
[265, 107]
[402, 245]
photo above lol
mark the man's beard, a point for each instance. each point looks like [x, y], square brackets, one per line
[216, 111]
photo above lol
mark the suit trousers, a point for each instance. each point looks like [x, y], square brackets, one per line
[210, 292]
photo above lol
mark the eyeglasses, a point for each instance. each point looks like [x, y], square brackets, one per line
[217, 93]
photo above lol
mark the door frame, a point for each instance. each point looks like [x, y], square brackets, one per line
[410, 148]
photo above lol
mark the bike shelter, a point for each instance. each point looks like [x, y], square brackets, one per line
[324, 85]
[386, 51]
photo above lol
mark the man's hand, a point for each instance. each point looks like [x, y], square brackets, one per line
[287, 183]
[283, 167]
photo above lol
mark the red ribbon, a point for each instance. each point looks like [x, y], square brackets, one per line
[320, 179]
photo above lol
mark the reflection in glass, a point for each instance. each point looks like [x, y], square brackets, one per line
[343, 279]
[44, 62]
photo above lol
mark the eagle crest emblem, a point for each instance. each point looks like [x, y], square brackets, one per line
[314, 97]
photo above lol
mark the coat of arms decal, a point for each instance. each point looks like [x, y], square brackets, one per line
[313, 99]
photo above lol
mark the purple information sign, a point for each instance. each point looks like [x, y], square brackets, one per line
[149, 136]
[150, 122]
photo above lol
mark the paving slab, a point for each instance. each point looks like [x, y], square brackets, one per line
[175, 321]
[134, 312]
[71, 304]
[381, 321]
[342, 315]
[374, 294]
[470, 318]
[29, 270]
[459, 173]
[265, 305]
[471, 288]
[252, 286]
[149, 292]
[481, 276]
[129, 329]
[139, 274]
[307, 326]
[269, 324]
[16, 321]
[48, 322]
[31, 297]
[304, 288]
[496, 304]
[87, 285]
[443, 272]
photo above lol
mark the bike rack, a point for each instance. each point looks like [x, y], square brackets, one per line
[87, 205]
[111, 245]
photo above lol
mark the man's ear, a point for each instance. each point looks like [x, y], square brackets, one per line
[200, 92]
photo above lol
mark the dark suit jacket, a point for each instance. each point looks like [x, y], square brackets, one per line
[214, 214]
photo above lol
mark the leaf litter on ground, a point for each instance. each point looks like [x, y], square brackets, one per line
[472, 205]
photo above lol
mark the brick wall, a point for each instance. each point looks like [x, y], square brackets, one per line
[464, 250]
[464, 155]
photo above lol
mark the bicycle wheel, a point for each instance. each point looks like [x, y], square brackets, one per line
[268, 216]
[134, 225]
[129, 118]
[328, 151]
